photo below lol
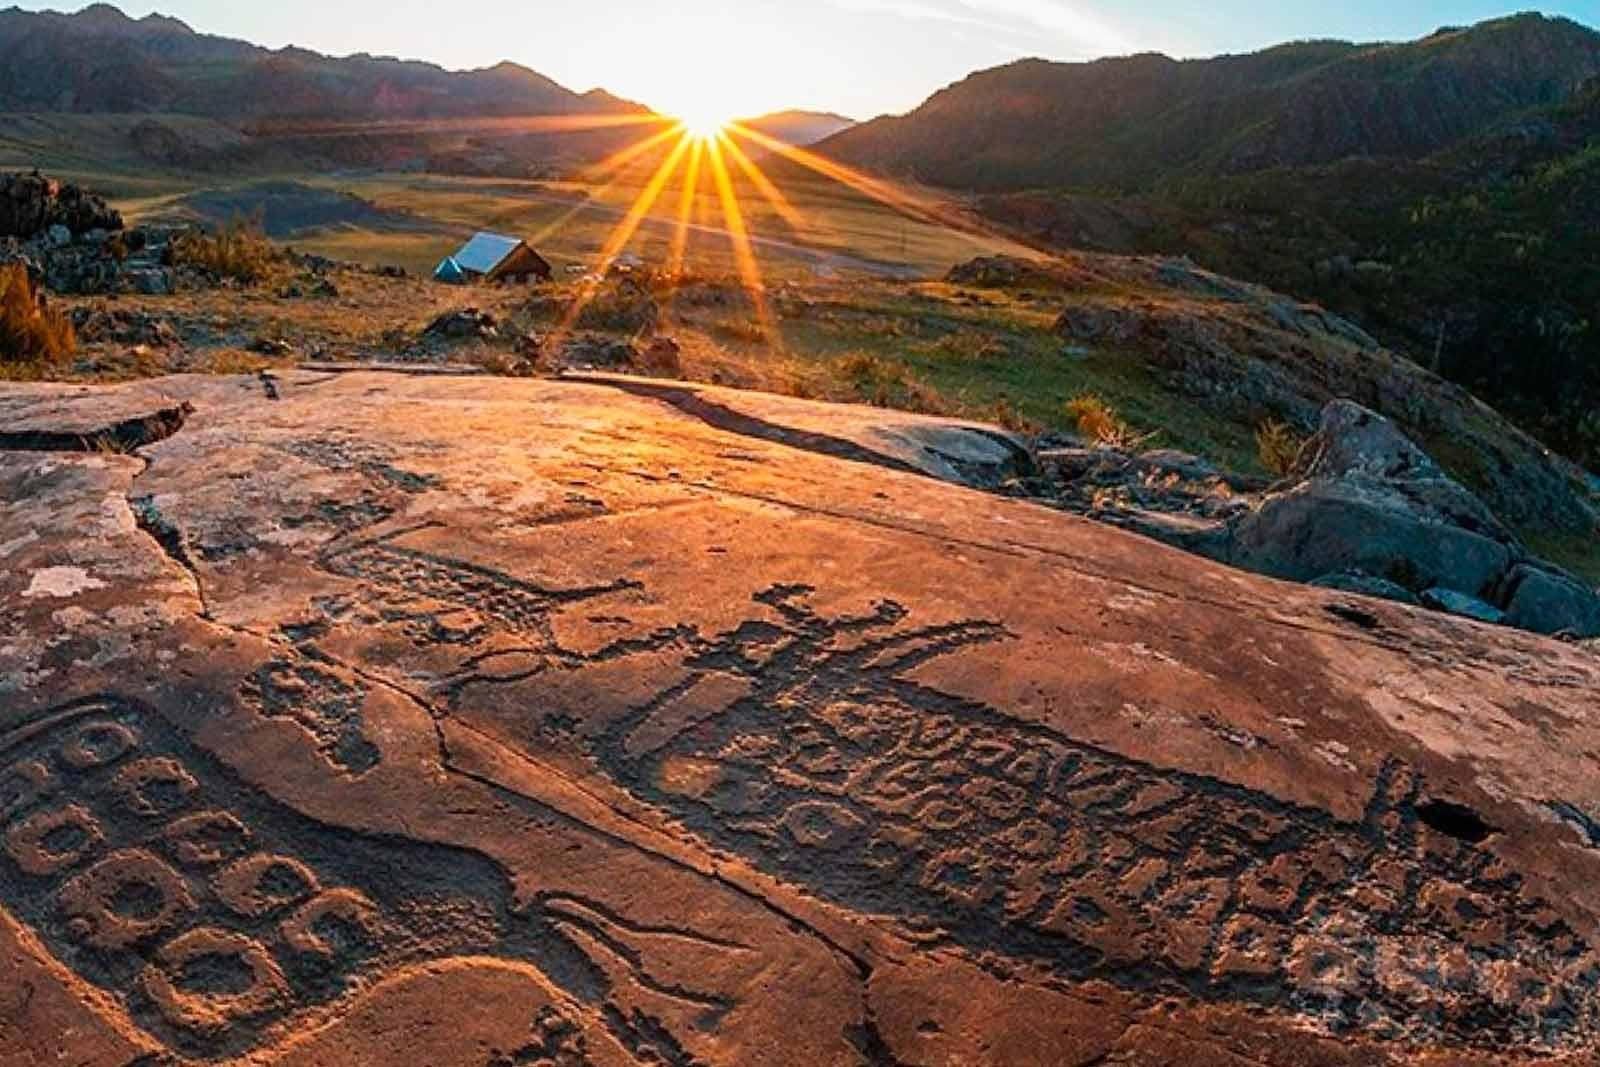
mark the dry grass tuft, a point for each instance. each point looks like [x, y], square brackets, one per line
[1278, 447]
[1100, 423]
[239, 250]
[32, 334]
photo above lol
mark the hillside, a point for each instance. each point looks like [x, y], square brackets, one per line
[99, 60]
[1479, 260]
[1134, 122]
[800, 128]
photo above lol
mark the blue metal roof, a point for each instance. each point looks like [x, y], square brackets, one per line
[449, 271]
[485, 252]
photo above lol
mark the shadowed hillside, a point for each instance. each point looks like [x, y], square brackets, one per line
[1132, 122]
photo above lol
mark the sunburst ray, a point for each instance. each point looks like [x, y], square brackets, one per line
[739, 236]
[766, 187]
[624, 231]
[920, 208]
[686, 209]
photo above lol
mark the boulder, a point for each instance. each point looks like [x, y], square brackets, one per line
[661, 357]
[1468, 607]
[1550, 603]
[1093, 324]
[150, 281]
[123, 326]
[1368, 585]
[1354, 440]
[31, 205]
[1371, 503]
[1330, 525]
[597, 351]
[464, 325]
[80, 270]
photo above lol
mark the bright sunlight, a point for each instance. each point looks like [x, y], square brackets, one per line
[705, 123]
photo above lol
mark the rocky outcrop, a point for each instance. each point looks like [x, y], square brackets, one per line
[1367, 511]
[30, 204]
[463, 324]
[1248, 353]
[1370, 502]
[105, 262]
[547, 721]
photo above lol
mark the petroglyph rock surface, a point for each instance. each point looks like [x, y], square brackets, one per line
[510, 723]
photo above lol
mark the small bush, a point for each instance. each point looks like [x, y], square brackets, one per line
[1006, 415]
[624, 305]
[1100, 423]
[239, 250]
[31, 332]
[1278, 447]
[884, 383]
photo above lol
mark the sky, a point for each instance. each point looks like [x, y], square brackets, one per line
[858, 57]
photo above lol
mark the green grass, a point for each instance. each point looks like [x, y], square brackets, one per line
[1001, 363]
[1578, 554]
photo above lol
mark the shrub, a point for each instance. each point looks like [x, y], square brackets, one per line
[1278, 447]
[1006, 415]
[239, 250]
[624, 305]
[1100, 423]
[31, 332]
[884, 383]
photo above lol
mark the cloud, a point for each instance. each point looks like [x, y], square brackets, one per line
[1056, 18]
[916, 11]
[1069, 20]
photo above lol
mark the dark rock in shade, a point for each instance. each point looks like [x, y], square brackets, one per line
[662, 357]
[1330, 525]
[467, 324]
[598, 352]
[1369, 513]
[547, 722]
[123, 326]
[1550, 603]
[1468, 607]
[1368, 585]
[30, 204]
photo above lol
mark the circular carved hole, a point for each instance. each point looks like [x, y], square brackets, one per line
[52, 841]
[123, 899]
[262, 884]
[156, 788]
[98, 744]
[210, 980]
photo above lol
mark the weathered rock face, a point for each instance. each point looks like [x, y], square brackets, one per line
[529, 722]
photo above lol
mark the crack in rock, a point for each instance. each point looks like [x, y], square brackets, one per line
[124, 437]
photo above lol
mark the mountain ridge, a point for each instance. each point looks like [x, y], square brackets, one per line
[1134, 122]
[100, 60]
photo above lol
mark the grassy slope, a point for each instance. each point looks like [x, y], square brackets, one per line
[916, 344]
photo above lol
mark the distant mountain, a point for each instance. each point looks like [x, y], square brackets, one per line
[800, 128]
[1136, 122]
[100, 60]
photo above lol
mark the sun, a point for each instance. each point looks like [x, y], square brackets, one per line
[705, 123]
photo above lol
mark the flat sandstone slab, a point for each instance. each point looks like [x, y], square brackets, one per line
[478, 722]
